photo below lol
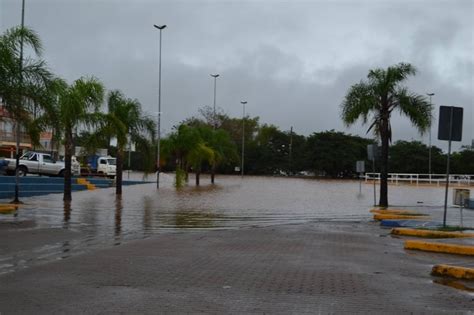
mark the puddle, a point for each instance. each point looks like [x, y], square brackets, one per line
[456, 284]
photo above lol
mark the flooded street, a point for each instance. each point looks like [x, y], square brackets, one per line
[96, 219]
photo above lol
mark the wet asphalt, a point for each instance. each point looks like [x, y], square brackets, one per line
[322, 268]
[258, 245]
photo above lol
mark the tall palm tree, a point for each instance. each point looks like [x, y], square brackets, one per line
[77, 105]
[376, 99]
[126, 121]
[21, 81]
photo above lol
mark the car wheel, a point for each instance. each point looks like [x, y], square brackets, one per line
[22, 171]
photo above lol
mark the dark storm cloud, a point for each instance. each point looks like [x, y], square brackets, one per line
[292, 61]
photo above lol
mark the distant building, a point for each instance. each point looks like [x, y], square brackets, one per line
[8, 136]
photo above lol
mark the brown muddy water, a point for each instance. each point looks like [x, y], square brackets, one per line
[97, 219]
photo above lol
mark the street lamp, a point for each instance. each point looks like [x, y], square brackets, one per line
[160, 27]
[215, 76]
[429, 149]
[18, 127]
[243, 135]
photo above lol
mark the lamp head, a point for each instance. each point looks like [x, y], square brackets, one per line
[430, 94]
[214, 75]
[243, 102]
[160, 27]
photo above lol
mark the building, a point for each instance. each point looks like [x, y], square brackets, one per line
[8, 136]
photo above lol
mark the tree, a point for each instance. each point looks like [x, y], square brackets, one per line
[225, 150]
[21, 82]
[78, 105]
[376, 99]
[126, 122]
[334, 154]
[189, 148]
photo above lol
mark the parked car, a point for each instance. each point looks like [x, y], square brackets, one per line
[40, 163]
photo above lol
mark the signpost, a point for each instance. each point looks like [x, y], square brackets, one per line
[449, 129]
[371, 154]
[360, 168]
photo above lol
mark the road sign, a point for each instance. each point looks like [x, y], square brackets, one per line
[360, 166]
[450, 123]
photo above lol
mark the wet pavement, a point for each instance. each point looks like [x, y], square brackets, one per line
[253, 245]
[311, 268]
[45, 229]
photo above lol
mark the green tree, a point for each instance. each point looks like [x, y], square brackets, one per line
[376, 99]
[225, 150]
[22, 82]
[126, 122]
[335, 154]
[78, 105]
[187, 146]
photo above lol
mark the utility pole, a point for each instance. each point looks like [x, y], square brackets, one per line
[160, 27]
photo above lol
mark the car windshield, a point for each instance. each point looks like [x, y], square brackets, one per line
[111, 161]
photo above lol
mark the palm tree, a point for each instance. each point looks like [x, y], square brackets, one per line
[126, 120]
[21, 80]
[376, 99]
[189, 148]
[77, 105]
[219, 140]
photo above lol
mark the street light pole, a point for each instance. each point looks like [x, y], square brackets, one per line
[215, 76]
[18, 126]
[160, 27]
[243, 135]
[429, 150]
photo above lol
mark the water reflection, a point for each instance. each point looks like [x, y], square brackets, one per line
[66, 214]
[193, 219]
[118, 219]
[147, 213]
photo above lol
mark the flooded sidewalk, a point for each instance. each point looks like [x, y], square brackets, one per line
[45, 229]
[327, 267]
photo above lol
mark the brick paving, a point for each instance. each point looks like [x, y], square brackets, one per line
[314, 268]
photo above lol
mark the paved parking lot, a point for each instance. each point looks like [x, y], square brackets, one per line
[300, 268]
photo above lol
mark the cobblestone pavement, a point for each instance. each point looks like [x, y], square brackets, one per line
[318, 268]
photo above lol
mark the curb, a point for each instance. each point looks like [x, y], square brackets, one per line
[457, 272]
[380, 217]
[7, 208]
[440, 247]
[392, 211]
[429, 233]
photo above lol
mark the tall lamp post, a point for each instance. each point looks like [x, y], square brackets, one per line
[243, 135]
[160, 27]
[429, 143]
[215, 76]
[18, 127]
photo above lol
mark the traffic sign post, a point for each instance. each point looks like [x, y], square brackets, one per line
[450, 129]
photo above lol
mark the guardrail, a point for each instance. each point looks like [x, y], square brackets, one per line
[437, 179]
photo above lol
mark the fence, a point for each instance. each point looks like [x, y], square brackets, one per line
[437, 179]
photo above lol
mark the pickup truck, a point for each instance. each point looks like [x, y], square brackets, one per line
[40, 163]
[101, 165]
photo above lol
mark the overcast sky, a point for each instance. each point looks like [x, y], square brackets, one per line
[293, 61]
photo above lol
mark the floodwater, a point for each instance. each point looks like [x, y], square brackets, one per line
[97, 219]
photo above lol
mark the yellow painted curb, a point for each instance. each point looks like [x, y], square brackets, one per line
[7, 209]
[440, 247]
[429, 233]
[83, 181]
[392, 211]
[453, 271]
[399, 217]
